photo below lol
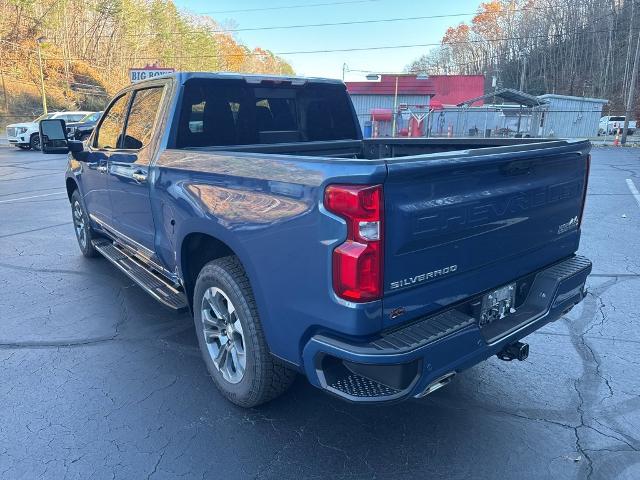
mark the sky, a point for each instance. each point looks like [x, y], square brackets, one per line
[296, 12]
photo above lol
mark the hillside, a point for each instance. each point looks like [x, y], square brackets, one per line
[88, 47]
[573, 47]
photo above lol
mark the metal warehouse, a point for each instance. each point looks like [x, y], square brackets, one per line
[550, 115]
[569, 117]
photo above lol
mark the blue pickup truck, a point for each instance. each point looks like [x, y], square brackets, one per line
[379, 268]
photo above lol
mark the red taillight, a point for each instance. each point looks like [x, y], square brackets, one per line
[584, 192]
[357, 263]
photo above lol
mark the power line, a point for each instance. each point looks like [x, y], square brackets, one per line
[578, 31]
[362, 49]
[325, 24]
[354, 49]
[287, 7]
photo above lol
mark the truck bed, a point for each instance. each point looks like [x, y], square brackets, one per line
[382, 148]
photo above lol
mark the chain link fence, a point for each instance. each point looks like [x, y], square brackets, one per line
[495, 121]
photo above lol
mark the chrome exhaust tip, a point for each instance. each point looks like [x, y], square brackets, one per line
[437, 384]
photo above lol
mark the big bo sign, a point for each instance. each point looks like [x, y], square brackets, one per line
[150, 71]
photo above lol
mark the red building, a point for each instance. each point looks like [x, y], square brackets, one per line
[455, 89]
[415, 98]
[443, 89]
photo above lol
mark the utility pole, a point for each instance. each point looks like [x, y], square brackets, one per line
[4, 87]
[524, 69]
[44, 94]
[632, 87]
[395, 110]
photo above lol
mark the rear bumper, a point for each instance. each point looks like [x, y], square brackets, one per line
[404, 363]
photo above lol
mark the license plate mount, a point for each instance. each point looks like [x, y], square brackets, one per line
[498, 304]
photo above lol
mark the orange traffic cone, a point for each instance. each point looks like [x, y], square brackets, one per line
[616, 141]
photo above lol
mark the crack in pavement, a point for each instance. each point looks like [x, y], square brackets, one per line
[145, 334]
[29, 191]
[25, 178]
[587, 386]
[54, 270]
[14, 234]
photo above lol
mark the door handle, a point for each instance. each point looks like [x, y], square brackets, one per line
[139, 176]
[101, 169]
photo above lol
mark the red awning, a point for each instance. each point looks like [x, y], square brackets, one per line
[407, 85]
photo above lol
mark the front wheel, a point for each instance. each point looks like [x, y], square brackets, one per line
[81, 225]
[231, 338]
[34, 142]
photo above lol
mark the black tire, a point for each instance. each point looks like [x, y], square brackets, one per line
[81, 225]
[34, 141]
[264, 377]
[24, 147]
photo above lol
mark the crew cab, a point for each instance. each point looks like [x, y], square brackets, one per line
[24, 135]
[379, 268]
[81, 129]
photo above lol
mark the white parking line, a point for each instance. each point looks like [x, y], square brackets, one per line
[634, 190]
[33, 196]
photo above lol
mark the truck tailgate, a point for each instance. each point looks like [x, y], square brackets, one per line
[460, 223]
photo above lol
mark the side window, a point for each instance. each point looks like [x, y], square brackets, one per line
[142, 116]
[110, 131]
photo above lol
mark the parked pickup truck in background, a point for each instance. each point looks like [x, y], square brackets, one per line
[379, 268]
[81, 129]
[25, 135]
[610, 125]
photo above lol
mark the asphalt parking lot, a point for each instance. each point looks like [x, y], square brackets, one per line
[99, 381]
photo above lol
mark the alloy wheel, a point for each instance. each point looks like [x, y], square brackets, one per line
[223, 335]
[79, 224]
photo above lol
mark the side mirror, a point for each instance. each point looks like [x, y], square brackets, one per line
[53, 136]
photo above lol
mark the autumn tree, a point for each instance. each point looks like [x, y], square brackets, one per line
[575, 47]
[91, 44]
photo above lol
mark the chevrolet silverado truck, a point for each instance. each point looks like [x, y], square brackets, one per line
[379, 268]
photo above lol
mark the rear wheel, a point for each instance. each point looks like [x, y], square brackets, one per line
[231, 338]
[81, 225]
[34, 142]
